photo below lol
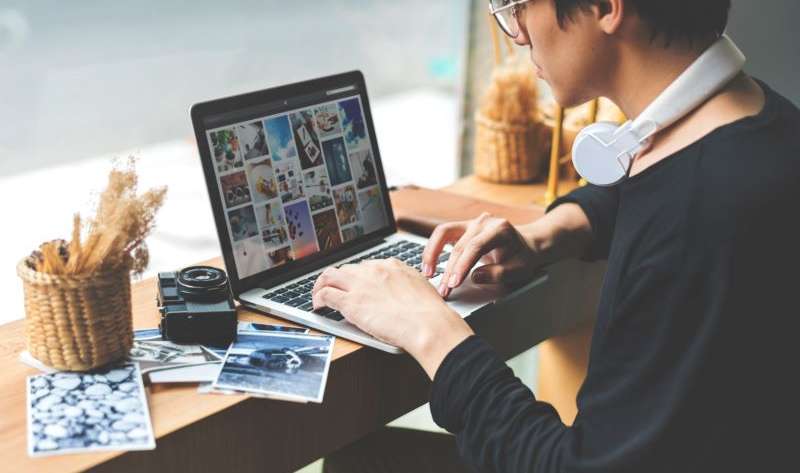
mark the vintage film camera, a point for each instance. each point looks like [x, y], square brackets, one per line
[196, 306]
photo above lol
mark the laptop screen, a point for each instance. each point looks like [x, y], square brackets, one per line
[296, 178]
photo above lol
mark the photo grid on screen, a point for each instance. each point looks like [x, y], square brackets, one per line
[296, 183]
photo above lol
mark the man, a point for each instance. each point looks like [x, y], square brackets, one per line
[692, 354]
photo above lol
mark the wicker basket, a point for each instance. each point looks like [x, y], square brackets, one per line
[507, 153]
[79, 322]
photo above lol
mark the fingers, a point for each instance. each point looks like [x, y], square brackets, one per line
[334, 277]
[507, 273]
[492, 274]
[441, 236]
[329, 297]
[451, 278]
[473, 250]
[334, 284]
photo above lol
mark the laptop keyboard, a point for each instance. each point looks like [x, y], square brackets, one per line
[298, 293]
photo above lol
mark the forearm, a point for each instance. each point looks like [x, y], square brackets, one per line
[498, 423]
[562, 233]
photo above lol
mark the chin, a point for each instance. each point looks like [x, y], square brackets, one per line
[568, 97]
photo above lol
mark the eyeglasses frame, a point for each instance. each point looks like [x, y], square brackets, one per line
[514, 4]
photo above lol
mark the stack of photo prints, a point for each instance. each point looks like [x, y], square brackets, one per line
[107, 409]
[273, 361]
[297, 183]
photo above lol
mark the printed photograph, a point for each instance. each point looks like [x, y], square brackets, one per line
[280, 139]
[301, 230]
[327, 120]
[242, 327]
[225, 149]
[243, 223]
[249, 257]
[363, 167]
[234, 189]
[272, 223]
[353, 126]
[352, 232]
[147, 334]
[317, 188]
[336, 160]
[346, 205]
[373, 215]
[86, 412]
[327, 230]
[306, 139]
[256, 327]
[262, 178]
[164, 352]
[278, 364]
[279, 256]
[290, 182]
[252, 140]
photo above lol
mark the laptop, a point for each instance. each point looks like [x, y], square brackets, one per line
[296, 184]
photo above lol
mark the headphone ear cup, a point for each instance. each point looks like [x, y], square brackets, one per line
[593, 156]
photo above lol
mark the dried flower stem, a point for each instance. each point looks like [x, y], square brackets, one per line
[115, 236]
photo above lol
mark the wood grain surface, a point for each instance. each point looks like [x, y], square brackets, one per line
[366, 388]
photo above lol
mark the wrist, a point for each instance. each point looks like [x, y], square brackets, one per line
[435, 342]
[540, 238]
[564, 232]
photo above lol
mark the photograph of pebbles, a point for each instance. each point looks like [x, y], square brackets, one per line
[80, 412]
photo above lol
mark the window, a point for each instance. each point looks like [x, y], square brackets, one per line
[86, 80]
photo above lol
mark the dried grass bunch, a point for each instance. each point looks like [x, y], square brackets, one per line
[114, 238]
[512, 95]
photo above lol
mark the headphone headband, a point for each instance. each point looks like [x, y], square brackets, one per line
[717, 66]
[602, 153]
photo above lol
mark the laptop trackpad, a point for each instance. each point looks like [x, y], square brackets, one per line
[470, 297]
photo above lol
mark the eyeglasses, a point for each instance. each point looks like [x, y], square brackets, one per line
[506, 13]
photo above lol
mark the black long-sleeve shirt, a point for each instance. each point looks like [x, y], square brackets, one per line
[695, 348]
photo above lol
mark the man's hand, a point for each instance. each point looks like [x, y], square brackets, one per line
[509, 257]
[393, 303]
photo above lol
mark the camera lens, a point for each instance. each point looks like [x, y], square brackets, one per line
[204, 283]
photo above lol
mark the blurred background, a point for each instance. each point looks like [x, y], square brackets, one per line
[94, 80]
[83, 82]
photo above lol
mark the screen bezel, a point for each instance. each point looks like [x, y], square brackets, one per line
[230, 105]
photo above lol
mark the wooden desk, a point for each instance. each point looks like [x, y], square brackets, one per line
[366, 389]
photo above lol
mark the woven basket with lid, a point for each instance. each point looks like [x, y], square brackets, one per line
[77, 322]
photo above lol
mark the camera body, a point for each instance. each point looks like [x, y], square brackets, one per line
[196, 306]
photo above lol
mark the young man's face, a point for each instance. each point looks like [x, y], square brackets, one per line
[574, 60]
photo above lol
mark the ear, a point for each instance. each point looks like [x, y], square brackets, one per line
[609, 14]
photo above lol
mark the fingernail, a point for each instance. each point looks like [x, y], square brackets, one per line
[426, 269]
[442, 289]
[454, 280]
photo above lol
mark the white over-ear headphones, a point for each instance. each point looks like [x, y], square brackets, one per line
[603, 152]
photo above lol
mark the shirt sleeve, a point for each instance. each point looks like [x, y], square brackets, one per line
[600, 206]
[499, 426]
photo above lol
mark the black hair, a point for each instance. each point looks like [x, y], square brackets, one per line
[689, 20]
